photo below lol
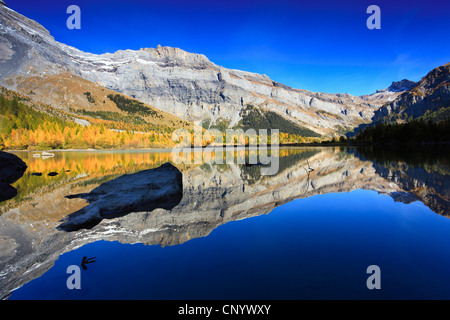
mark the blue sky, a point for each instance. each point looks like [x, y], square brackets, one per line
[321, 45]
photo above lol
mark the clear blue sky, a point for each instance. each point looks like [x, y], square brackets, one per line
[318, 45]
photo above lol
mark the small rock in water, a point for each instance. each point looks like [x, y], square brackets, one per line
[38, 174]
[52, 174]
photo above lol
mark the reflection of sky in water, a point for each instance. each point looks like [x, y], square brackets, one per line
[317, 247]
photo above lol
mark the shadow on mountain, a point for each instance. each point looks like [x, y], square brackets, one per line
[143, 191]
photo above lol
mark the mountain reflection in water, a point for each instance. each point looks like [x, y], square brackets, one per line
[213, 194]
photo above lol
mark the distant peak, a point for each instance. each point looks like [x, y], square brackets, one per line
[402, 85]
[173, 53]
[3, 3]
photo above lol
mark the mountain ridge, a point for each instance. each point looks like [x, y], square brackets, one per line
[186, 85]
[430, 94]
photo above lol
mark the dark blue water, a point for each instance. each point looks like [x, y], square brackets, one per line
[313, 248]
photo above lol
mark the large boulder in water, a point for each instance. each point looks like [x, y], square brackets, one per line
[143, 191]
[11, 170]
[11, 167]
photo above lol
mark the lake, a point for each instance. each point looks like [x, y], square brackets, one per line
[310, 231]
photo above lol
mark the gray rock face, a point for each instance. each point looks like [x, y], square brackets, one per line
[431, 93]
[147, 190]
[390, 93]
[187, 85]
[193, 88]
[11, 167]
[27, 48]
[403, 85]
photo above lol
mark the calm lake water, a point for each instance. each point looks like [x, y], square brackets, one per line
[308, 232]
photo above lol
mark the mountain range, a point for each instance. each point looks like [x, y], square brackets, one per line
[182, 87]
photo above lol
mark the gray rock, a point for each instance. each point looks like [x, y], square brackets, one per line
[430, 94]
[11, 167]
[11, 170]
[144, 191]
[7, 192]
[402, 85]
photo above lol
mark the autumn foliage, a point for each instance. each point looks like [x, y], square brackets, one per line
[25, 125]
[23, 128]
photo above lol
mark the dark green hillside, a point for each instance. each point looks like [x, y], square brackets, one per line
[252, 118]
[131, 106]
[412, 132]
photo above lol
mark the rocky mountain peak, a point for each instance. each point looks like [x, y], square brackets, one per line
[165, 52]
[402, 85]
[436, 77]
[399, 86]
[430, 94]
[2, 3]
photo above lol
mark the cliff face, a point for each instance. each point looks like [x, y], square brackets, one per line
[184, 84]
[430, 94]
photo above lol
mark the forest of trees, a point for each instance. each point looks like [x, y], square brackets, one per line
[132, 107]
[23, 128]
[111, 116]
[255, 119]
[413, 132]
[436, 116]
